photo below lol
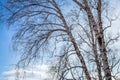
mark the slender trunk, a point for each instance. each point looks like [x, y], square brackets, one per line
[98, 30]
[100, 38]
[78, 53]
[80, 56]
[102, 46]
[103, 51]
[94, 48]
[97, 62]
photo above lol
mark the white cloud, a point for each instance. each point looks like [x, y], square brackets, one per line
[42, 67]
[36, 72]
[11, 72]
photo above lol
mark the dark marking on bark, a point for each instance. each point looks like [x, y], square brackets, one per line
[100, 40]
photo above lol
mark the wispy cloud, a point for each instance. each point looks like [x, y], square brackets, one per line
[36, 72]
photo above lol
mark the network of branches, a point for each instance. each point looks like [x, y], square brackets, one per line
[73, 32]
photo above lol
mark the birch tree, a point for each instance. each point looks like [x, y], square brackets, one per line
[72, 31]
[34, 34]
[98, 31]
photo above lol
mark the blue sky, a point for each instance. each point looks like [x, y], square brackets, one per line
[7, 56]
[4, 46]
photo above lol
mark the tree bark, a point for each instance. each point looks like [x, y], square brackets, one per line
[78, 53]
[99, 35]
[102, 46]
[100, 38]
